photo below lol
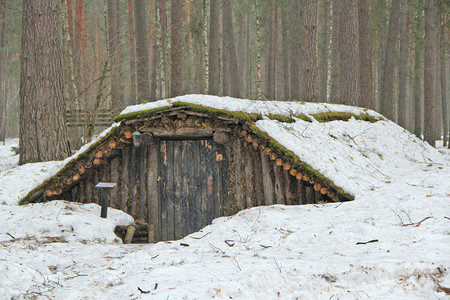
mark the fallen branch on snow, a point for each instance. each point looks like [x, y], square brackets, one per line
[417, 224]
[363, 243]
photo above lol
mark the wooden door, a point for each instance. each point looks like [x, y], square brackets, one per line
[193, 185]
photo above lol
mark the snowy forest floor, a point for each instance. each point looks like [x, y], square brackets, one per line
[391, 243]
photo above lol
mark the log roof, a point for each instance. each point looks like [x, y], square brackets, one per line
[243, 113]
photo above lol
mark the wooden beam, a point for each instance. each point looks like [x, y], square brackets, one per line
[180, 133]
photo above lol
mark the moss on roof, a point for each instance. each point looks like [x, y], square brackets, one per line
[246, 118]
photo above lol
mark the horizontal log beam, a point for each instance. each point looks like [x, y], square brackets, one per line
[180, 133]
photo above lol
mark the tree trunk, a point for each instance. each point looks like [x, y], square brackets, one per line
[444, 75]
[334, 76]
[418, 71]
[3, 24]
[285, 51]
[403, 64]
[43, 130]
[270, 58]
[176, 50]
[258, 50]
[230, 50]
[142, 63]
[429, 75]
[437, 76]
[295, 49]
[310, 71]
[349, 56]
[365, 56]
[155, 55]
[323, 49]
[133, 99]
[117, 101]
[213, 53]
[381, 38]
[387, 90]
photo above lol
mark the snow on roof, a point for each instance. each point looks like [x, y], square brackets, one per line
[252, 106]
[356, 155]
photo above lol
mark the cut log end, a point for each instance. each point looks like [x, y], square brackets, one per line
[293, 172]
[273, 156]
[76, 177]
[249, 138]
[305, 177]
[112, 144]
[81, 170]
[267, 151]
[255, 144]
[243, 133]
[299, 176]
[128, 134]
[287, 166]
[97, 161]
[279, 162]
[335, 199]
[99, 154]
[323, 191]
[317, 186]
[49, 193]
[330, 194]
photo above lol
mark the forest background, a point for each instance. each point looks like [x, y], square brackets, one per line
[388, 55]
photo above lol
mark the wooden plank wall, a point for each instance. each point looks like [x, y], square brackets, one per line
[244, 176]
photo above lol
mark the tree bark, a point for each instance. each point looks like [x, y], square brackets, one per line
[43, 130]
[133, 99]
[418, 71]
[387, 90]
[230, 50]
[270, 58]
[117, 96]
[176, 50]
[334, 76]
[3, 24]
[309, 45]
[365, 56]
[142, 63]
[295, 49]
[381, 47]
[285, 51]
[403, 64]
[213, 53]
[444, 75]
[349, 56]
[429, 75]
[323, 49]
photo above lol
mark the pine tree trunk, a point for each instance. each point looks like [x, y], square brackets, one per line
[117, 101]
[309, 45]
[155, 55]
[387, 90]
[3, 24]
[349, 53]
[418, 72]
[437, 76]
[176, 51]
[334, 76]
[43, 129]
[133, 99]
[192, 81]
[270, 57]
[295, 50]
[365, 56]
[381, 48]
[323, 49]
[230, 50]
[213, 53]
[429, 75]
[142, 63]
[403, 64]
[285, 51]
[444, 75]
[258, 50]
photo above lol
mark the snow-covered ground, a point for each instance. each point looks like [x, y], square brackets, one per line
[62, 250]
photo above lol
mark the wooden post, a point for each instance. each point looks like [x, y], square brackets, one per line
[105, 187]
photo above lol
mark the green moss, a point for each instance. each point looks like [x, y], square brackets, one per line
[344, 116]
[280, 118]
[139, 114]
[238, 115]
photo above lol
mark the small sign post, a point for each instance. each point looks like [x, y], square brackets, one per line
[105, 187]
